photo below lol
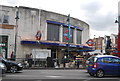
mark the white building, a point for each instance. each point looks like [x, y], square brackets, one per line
[53, 28]
[113, 38]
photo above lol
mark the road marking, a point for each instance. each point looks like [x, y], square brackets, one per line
[53, 76]
[87, 80]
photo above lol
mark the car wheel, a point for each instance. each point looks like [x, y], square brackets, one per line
[13, 69]
[100, 73]
[91, 74]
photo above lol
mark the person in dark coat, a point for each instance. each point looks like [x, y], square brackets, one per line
[30, 60]
[12, 56]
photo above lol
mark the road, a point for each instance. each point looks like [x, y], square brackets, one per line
[55, 75]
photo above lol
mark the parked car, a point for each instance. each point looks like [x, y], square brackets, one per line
[101, 65]
[11, 66]
[2, 68]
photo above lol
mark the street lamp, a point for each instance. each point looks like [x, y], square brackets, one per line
[68, 20]
[16, 32]
[118, 42]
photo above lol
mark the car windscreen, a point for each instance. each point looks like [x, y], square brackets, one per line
[92, 59]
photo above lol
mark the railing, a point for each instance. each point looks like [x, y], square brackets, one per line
[42, 63]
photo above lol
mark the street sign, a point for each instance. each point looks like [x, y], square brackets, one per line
[66, 35]
[38, 35]
[90, 42]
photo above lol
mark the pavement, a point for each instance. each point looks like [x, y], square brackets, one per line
[52, 68]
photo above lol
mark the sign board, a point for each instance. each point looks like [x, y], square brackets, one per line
[66, 36]
[90, 42]
[38, 36]
[41, 53]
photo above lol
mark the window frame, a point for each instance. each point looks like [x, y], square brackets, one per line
[50, 33]
[78, 40]
[5, 19]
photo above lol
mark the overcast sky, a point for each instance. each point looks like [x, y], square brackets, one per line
[99, 14]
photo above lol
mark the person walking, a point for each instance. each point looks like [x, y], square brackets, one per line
[30, 60]
[12, 56]
[79, 59]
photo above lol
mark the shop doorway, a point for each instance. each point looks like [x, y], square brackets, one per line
[3, 46]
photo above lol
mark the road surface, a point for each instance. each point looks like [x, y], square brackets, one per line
[55, 75]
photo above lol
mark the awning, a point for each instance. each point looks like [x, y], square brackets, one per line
[53, 44]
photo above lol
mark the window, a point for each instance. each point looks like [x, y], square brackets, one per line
[52, 32]
[106, 60]
[0, 18]
[5, 18]
[79, 34]
[116, 61]
[99, 60]
[71, 33]
[92, 59]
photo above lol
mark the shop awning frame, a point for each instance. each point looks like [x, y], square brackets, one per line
[54, 44]
[85, 50]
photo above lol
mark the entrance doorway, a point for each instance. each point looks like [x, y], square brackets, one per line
[3, 46]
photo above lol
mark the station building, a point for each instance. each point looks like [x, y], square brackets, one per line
[20, 27]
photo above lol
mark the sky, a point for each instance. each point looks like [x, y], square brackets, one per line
[99, 14]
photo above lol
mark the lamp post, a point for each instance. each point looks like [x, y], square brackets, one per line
[68, 20]
[118, 36]
[118, 21]
[16, 32]
[118, 41]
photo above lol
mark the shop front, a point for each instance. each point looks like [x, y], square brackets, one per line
[57, 52]
[3, 46]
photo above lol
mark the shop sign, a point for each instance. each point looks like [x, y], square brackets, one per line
[62, 44]
[73, 45]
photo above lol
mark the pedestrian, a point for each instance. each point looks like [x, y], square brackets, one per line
[64, 61]
[30, 60]
[12, 56]
[79, 59]
[58, 64]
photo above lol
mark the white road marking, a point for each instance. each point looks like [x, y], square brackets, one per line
[53, 76]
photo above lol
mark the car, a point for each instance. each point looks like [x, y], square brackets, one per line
[101, 65]
[2, 68]
[11, 66]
